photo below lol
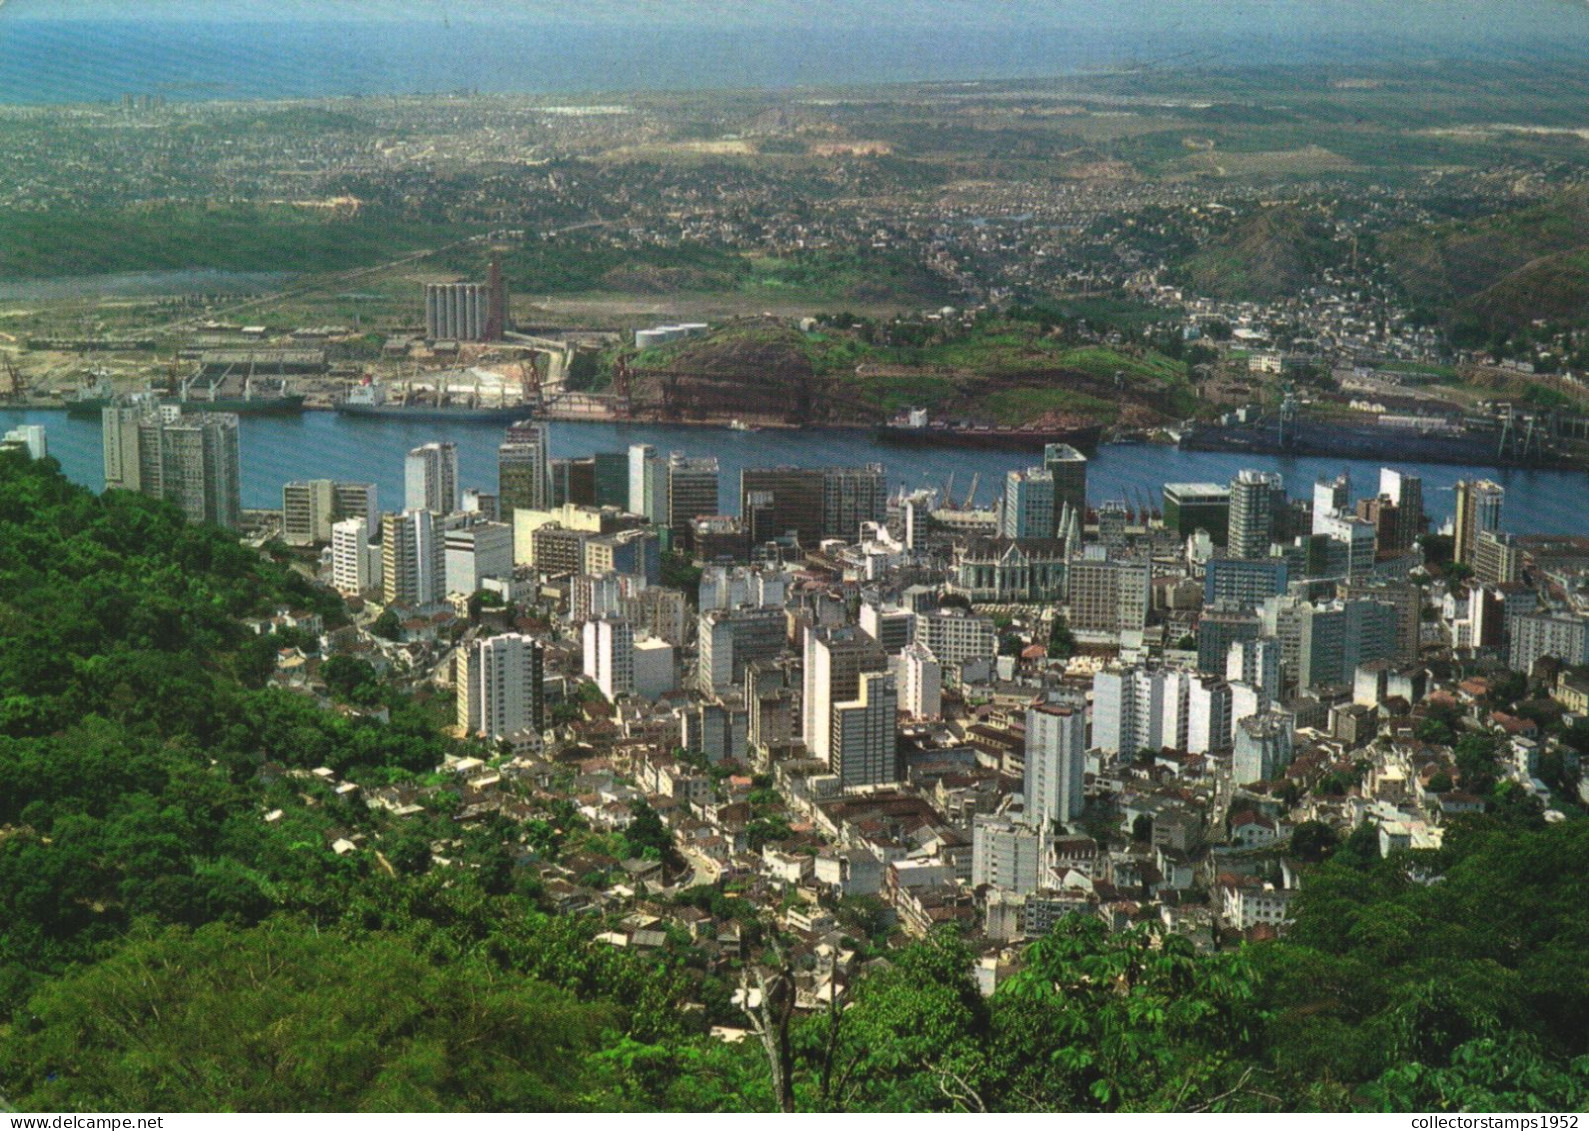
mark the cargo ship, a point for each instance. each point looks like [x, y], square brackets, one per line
[370, 399]
[914, 429]
[259, 397]
[1475, 447]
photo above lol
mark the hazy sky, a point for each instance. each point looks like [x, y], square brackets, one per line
[1440, 19]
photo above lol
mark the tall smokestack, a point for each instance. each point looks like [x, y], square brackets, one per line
[496, 303]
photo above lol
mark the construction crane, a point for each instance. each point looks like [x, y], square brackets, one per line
[971, 495]
[949, 492]
[10, 381]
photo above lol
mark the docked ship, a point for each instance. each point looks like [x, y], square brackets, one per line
[1471, 446]
[257, 399]
[915, 429]
[371, 398]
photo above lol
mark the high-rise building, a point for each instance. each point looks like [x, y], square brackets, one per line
[1385, 517]
[1497, 558]
[731, 639]
[28, 438]
[1190, 507]
[1263, 748]
[775, 501]
[1028, 508]
[1405, 493]
[835, 659]
[692, 491]
[1331, 497]
[640, 457]
[889, 625]
[1257, 499]
[1335, 638]
[413, 559]
[430, 478]
[500, 686]
[610, 480]
[1220, 626]
[729, 587]
[1069, 470]
[1137, 708]
[634, 551]
[1405, 597]
[851, 496]
[1255, 663]
[119, 431]
[351, 574]
[1109, 596]
[920, 682]
[476, 552]
[955, 636]
[310, 507]
[1478, 505]
[1354, 551]
[1533, 636]
[189, 459]
[862, 737]
[609, 656]
[1241, 583]
[655, 672]
[1056, 759]
[524, 479]
[1006, 853]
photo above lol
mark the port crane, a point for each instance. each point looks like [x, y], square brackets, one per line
[10, 380]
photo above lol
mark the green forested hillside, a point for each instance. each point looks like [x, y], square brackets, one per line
[164, 946]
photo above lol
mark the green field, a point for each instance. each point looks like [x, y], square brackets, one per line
[41, 245]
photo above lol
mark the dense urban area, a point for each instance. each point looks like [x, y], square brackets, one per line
[567, 790]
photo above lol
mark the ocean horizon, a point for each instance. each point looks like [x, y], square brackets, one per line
[47, 61]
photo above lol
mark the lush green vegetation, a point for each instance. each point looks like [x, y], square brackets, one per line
[177, 931]
[583, 261]
[231, 238]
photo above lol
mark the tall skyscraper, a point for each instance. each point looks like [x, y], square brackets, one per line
[350, 556]
[1069, 469]
[920, 682]
[476, 552]
[851, 496]
[200, 467]
[189, 459]
[119, 425]
[1331, 497]
[1028, 510]
[1406, 493]
[1189, 507]
[732, 639]
[311, 507]
[500, 689]
[29, 438]
[430, 478]
[524, 479]
[835, 659]
[863, 743]
[640, 458]
[775, 501]
[413, 559]
[692, 491]
[1478, 509]
[1056, 759]
[1256, 498]
[609, 656]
